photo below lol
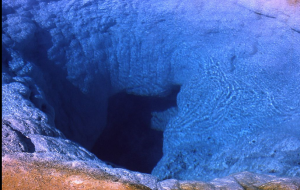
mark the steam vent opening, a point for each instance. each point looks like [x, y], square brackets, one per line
[128, 140]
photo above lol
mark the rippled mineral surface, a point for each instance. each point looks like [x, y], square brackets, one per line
[150, 94]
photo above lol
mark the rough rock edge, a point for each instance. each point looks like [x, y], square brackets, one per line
[28, 171]
[34, 174]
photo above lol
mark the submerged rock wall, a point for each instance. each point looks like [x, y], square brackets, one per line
[237, 63]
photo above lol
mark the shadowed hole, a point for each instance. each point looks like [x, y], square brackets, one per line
[128, 140]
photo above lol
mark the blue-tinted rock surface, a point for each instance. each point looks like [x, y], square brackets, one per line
[238, 65]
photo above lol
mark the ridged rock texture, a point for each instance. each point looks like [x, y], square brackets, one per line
[235, 65]
[31, 173]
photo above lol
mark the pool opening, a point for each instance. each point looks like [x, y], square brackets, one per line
[128, 140]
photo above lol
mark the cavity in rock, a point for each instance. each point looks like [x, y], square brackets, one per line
[128, 140]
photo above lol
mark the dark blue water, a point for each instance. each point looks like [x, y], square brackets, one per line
[109, 69]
